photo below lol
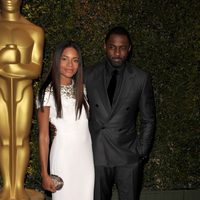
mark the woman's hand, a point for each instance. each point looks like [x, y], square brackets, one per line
[48, 184]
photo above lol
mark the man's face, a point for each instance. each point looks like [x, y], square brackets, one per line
[117, 49]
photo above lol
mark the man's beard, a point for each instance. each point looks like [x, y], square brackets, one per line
[117, 62]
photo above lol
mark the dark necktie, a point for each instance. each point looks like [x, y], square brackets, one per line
[112, 86]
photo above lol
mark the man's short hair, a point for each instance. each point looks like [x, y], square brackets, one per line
[118, 30]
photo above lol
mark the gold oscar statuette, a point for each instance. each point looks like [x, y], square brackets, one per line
[21, 51]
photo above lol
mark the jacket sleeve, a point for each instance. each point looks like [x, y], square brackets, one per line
[147, 118]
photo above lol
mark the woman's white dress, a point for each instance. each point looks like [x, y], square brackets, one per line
[71, 155]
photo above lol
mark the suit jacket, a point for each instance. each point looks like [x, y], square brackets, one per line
[113, 129]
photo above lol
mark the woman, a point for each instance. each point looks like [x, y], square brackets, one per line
[61, 101]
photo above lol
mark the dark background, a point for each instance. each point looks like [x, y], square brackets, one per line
[166, 42]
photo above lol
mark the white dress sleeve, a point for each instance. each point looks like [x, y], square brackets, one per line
[47, 98]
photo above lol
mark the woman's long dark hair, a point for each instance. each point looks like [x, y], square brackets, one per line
[53, 79]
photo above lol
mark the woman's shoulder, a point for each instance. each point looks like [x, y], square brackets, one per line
[48, 95]
[49, 89]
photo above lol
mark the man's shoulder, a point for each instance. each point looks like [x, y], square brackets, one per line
[95, 68]
[137, 71]
[98, 65]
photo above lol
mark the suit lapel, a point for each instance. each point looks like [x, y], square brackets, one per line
[102, 90]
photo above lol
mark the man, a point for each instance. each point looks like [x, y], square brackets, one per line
[117, 93]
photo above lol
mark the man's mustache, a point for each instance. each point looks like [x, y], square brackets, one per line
[117, 58]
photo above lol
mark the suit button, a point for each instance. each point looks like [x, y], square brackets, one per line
[127, 108]
[120, 129]
[97, 105]
[103, 127]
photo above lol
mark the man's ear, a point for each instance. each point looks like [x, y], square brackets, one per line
[104, 46]
[129, 49]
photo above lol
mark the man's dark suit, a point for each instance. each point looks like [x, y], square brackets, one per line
[113, 129]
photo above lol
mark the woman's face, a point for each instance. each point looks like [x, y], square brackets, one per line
[69, 63]
[10, 5]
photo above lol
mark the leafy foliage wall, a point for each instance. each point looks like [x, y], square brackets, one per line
[166, 42]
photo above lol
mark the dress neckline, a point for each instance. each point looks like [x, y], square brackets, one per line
[68, 86]
[68, 90]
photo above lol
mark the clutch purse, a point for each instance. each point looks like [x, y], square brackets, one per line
[58, 182]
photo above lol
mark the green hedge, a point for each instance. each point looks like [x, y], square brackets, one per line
[166, 42]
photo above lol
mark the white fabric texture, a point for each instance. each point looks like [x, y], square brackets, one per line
[71, 155]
